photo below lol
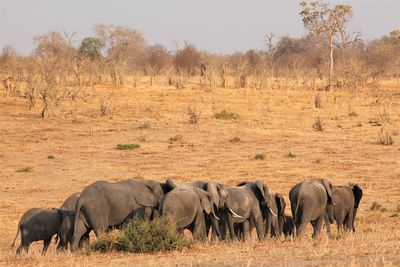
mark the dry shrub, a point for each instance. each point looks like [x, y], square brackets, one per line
[225, 115]
[385, 138]
[194, 114]
[143, 237]
[318, 125]
[317, 101]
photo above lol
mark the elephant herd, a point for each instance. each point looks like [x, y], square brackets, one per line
[207, 209]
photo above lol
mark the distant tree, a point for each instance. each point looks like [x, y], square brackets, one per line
[124, 47]
[90, 47]
[187, 59]
[157, 58]
[327, 24]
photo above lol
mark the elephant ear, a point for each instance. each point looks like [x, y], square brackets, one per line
[358, 193]
[260, 187]
[328, 189]
[241, 183]
[171, 184]
[204, 200]
[145, 196]
[280, 203]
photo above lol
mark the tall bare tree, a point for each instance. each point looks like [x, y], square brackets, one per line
[327, 23]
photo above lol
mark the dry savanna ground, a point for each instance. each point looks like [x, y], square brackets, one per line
[270, 122]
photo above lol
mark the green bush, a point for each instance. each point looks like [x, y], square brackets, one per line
[26, 169]
[259, 157]
[127, 146]
[235, 139]
[291, 155]
[225, 115]
[142, 236]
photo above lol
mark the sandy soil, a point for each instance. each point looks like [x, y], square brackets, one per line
[270, 122]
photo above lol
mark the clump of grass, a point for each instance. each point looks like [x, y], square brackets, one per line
[353, 114]
[317, 101]
[375, 206]
[385, 138]
[127, 146]
[291, 155]
[175, 138]
[394, 215]
[142, 237]
[26, 169]
[259, 156]
[50, 157]
[235, 139]
[318, 125]
[144, 125]
[359, 124]
[225, 115]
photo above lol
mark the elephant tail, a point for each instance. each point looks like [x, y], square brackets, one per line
[77, 214]
[13, 243]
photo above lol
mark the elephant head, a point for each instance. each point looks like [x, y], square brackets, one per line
[358, 193]
[266, 196]
[217, 194]
[328, 189]
[281, 204]
[205, 201]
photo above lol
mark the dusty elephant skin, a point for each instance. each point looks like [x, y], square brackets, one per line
[218, 195]
[187, 208]
[347, 200]
[103, 205]
[68, 223]
[309, 201]
[244, 205]
[38, 224]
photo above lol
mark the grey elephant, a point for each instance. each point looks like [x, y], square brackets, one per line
[309, 201]
[274, 224]
[287, 226]
[187, 208]
[244, 205]
[68, 222]
[346, 199]
[103, 205]
[38, 224]
[217, 194]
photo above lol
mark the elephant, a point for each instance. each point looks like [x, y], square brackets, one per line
[217, 195]
[187, 207]
[287, 225]
[104, 205]
[38, 224]
[274, 224]
[68, 222]
[346, 199]
[309, 201]
[244, 205]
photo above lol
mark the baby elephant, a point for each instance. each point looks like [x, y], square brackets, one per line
[287, 226]
[38, 224]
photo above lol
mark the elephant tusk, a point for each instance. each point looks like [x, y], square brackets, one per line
[216, 217]
[273, 213]
[234, 214]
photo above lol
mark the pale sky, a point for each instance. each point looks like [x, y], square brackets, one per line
[221, 26]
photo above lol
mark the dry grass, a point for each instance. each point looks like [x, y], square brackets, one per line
[272, 121]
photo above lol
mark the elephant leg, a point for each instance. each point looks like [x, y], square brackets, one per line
[155, 214]
[317, 225]
[349, 221]
[84, 239]
[46, 244]
[199, 231]
[231, 228]
[327, 223]
[79, 231]
[215, 231]
[258, 221]
[246, 230]
[147, 213]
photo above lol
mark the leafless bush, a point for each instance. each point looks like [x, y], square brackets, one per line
[194, 114]
[105, 107]
[385, 138]
[318, 125]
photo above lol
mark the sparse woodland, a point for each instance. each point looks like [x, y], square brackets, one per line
[112, 106]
